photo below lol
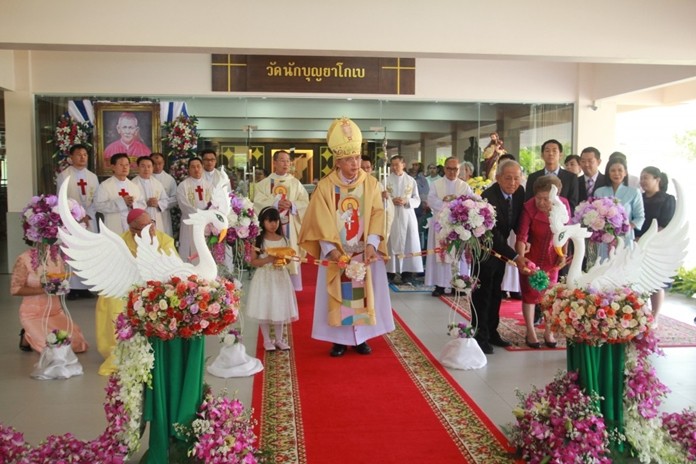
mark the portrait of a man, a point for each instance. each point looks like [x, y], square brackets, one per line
[125, 128]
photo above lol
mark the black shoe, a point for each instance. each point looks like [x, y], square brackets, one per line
[497, 340]
[73, 295]
[439, 291]
[23, 344]
[535, 345]
[337, 350]
[390, 277]
[485, 346]
[363, 348]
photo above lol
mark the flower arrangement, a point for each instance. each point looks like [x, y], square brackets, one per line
[681, 427]
[181, 134]
[643, 394]
[593, 317]
[231, 337]
[55, 284]
[356, 270]
[69, 132]
[107, 448]
[40, 223]
[243, 221]
[465, 223]
[181, 141]
[222, 432]
[463, 283]
[182, 307]
[606, 218]
[58, 338]
[478, 184]
[560, 423]
[460, 330]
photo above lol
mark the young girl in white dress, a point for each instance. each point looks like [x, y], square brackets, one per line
[271, 294]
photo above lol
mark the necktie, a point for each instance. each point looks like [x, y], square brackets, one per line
[589, 186]
[509, 211]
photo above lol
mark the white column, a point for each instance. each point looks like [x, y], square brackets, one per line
[20, 150]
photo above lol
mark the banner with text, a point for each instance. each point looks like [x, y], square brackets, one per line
[313, 74]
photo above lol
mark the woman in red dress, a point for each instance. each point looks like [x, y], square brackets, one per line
[534, 242]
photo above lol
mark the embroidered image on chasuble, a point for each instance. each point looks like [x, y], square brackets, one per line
[354, 308]
[357, 211]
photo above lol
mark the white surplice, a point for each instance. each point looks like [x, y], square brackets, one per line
[82, 188]
[192, 195]
[152, 188]
[109, 201]
[269, 192]
[169, 185]
[403, 235]
[437, 272]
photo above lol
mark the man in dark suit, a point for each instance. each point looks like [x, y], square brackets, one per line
[507, 197]
[590, 158]
[551, 153]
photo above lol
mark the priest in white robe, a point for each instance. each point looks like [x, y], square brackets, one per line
[117, 195]
[345, 218]
[152, 190]
[211, 173]
[192, 194]
[169, 185]
[438, 271]
[284, 192]
[82, 188]
[402, 192]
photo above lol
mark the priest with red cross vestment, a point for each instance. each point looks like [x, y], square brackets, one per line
[117, 195]
[193, 193]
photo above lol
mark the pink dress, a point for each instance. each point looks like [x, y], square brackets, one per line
[534, 228]
[32, 308]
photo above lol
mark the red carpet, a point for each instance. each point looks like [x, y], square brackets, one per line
[396, 405]
[671, 332]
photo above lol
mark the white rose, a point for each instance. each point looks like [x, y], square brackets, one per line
[163, 304]
[245, 222]
[232, 218]
[51, 338]
[476, 220]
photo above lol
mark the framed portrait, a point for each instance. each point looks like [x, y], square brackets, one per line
[131, 128]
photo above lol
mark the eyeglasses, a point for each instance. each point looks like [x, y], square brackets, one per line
[138, 229]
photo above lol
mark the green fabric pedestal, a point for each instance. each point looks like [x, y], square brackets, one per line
[177, 391]
[601, 370]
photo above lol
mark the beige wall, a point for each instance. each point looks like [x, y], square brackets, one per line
[625, 31]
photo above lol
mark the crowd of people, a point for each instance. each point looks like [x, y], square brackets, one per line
[352, 216]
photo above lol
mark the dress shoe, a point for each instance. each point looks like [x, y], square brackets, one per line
[282, 345]
[535, 345]
[363, 348]
[439, 291]
[497, 340]
[23, 344]
[485, 346]
[337, 350]
[398, 280]
[550, 344]
[269, 346]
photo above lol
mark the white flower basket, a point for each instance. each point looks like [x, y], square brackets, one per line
[232, 361]
[57, 362]
[463, 353]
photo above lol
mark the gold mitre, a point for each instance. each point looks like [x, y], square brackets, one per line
[344, 138]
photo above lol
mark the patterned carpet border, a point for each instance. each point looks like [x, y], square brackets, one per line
[476, 436]
[670, 332]
[281, 432]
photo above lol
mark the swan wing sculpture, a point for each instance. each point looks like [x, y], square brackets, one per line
[645, 266]
[102, 260]
[106, 264]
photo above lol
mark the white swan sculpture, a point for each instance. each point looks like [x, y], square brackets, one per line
[108, 267]
[645, 266]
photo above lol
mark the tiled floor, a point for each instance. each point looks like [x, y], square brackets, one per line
[41, 408]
